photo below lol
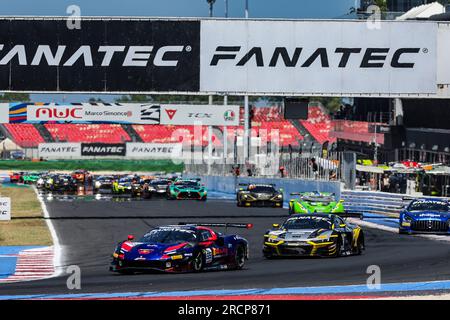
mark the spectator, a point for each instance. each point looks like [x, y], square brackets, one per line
[249, 172]
[314, 167]
[282, 171]
[385, 183]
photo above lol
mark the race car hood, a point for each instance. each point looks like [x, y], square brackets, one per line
[428, 215]
[260, 195]
[150, 251]
[300, 234]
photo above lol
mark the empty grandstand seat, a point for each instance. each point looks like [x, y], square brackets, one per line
[25, 135]
[90, 133]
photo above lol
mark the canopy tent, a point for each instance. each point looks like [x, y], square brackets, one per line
[8, 145]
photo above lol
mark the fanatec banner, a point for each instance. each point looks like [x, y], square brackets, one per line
[273, 57]
[103, 149]
[154, 150]
[323, 57]
[206, 115]
[103, 55]
[59, 150]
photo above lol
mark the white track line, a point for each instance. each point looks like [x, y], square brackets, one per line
[372, 225]
[57, 256]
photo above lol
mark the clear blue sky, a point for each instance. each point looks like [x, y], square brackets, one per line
[301, 9]
[181, 8]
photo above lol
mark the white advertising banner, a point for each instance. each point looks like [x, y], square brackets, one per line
[154, 150]
[5, 209]
[318, 57]
[91, 113]
[206, 115]
[59, 150]
[4, 112]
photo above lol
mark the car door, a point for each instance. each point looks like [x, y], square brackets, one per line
[214, 250]
[346, 233]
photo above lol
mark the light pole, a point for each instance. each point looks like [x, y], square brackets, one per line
[226, 8]
[211, 4]
[246, 9]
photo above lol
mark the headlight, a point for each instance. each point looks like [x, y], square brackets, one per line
[245, 196]
[279, 196]
[407, 218]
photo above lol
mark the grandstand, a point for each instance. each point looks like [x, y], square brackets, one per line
[264, 119]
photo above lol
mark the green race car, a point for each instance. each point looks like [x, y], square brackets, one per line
[187, 189]
[30, 177]
[315, 202]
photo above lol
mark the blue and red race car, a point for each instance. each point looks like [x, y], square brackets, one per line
[182, 248]
[426, 216]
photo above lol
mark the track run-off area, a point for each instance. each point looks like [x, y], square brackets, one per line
[88, 230]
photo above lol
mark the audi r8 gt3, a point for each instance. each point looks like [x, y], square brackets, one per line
[311, 202]
[187, 189]
[159, 186]
[323, 235]
[103, 183]
[261, 195]
[182, 248]
[425, 216]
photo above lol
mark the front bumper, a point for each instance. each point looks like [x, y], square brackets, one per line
[168, 265]
[262, 203]
[424, 227]
[300, 249]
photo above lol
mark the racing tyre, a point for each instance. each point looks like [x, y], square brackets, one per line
[359, 246]
[291, 210]
[239, 257]
[338, 249]
[204, 198]
[239, 204]
[197, 262]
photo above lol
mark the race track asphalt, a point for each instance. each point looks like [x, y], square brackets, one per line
[89, 230]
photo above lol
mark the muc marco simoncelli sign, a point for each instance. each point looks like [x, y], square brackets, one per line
[220, 56]
[104, 55]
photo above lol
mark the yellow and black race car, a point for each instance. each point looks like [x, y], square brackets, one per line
[260, 195]
[323, 235]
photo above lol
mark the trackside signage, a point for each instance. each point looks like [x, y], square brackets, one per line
[104, 55]
[214, 115]
[318, 57]
[154, 150]
[59, 150]
[93, 113]
[102, 149]
[5, 209]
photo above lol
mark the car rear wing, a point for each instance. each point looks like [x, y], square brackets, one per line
[224, 225]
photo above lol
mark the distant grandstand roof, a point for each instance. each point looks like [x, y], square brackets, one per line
[424, 11]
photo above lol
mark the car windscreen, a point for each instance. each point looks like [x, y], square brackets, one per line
[187, 183]
[429, 206]
[318, 199]
[159, 182]
[167, 235]
[261, 189]
[307, 222]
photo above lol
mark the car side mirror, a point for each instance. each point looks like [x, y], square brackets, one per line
[130, 237]
[220, 241]
[276, 226]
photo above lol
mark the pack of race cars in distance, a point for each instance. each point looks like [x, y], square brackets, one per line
[182, 248]
[425, 215]
[133, 185]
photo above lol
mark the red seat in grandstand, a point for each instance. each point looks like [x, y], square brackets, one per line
[100, 133]
[25, 135]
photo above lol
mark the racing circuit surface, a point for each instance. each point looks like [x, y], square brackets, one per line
[89, 229]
